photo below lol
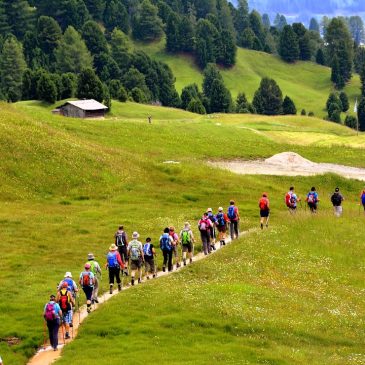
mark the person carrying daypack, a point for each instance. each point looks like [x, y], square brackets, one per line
[291, 200]
[114, 263]
[264, 206]
[187, 241]
[149, 254]
[212, 230]
[71, 285]
[312, 200]
[166, 242]
[204, 226]
[52, 314]
[86, 281]
[234, 218]
[175, 245]
[121, 241]
[221, 221]
[65, 301]
[135, 254]
[362, 199]
[336, 200]
[96, 270]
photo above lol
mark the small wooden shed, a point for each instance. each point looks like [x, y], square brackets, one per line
[82, 109]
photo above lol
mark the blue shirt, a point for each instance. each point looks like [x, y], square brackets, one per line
[56, 307]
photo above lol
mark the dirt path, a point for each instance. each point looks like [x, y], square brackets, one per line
[290, 164]
[46, 355]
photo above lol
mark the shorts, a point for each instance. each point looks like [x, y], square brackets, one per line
[149, 265]
[312, 206]
[123, 253]
[264, 213]
[136, 264]
[175, 251]
[187, 247]
[88, 290]
[222, 228]
[67, 317]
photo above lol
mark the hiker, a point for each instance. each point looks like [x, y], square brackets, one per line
[212, 230]
[166, 247]
[135, 253]
[312, 200]
[52, 314]
[362, 199]
[121, 240]
[205, 225]
[65, 301]
[71, 285]
[234, 218]
[87, 283]
[291, 200]
[187, 241]
[221, 221]
[175, 245]
[264, 206]
[149, 254]
[114, 263]
[336, 200]
[96, 270]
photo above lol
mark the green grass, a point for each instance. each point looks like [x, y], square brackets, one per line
[307, 83]
[66, 184]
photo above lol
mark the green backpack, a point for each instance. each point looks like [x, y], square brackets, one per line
[135, 251]
[185, 237]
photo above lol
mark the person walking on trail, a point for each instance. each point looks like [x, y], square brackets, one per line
[264, 206]
[149, 254]
[312, 200]
[52, 314]
[121, 241]
[96, 270]
[114, 263]
[87, 283]
[204, 226]
[65, 301]
[175, 245]
[166, 248]
[291, 200]
[234, 218]
[135, 253]
[71, 285]
[212, 230]
[362, 199]
[187, 241]
[336, 200]
[221, 221]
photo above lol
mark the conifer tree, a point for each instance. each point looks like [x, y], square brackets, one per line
[344, 101]
[336, 76]
[313, 25]
[268, 98]
[89, 86]
[242, 105]
[361, 114]
[94, 38]
[173, 33]
[46, 89]
[49, 34]
[19, 16]
[289, 106]
[320, 57]
[196, 106]
[116, 16]
[288, 47]
[220, 98]
[96, 8]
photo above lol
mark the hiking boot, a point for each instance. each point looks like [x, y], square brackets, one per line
[184, 262]
[267, 225]
[71, 324]
[163, 268]
[119, 287]
[177, 265]
[139, 280]
[125, 272]
[88, 309]
[262, 226]
[96, 301]
[92, 301]
[154, 275]
[67, 336]
[191, 260]
[132, 281]
[111, 289]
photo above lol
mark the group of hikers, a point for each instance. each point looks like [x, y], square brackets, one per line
[126, 258]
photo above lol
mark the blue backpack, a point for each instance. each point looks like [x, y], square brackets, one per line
[363, 199]
[112, 259]
[231, 212]
[165, 243]
[220, 219]
[70, 285]
[147, 249]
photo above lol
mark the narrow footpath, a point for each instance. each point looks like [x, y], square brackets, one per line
[46, 355]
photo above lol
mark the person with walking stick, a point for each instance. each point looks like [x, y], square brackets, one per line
[52, 314]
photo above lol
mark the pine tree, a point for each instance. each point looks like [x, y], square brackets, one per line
[19, 16]
[96, 8]
[186, 28]
[344, 101]
[266, 21]
[116, 16]
[241, 19]
[49, 34]
[362, 78]
[257, 26]
[28, 87]
[206, 42]
[72, 54]
[228, 51]
[336, 76]
[89, 86]
[333, 99]
[305, 48]
[196, 106]
[69, 85]
[289, 106]
[210, 74]
[320, 57]
[268, 98]
[220, 98]
[94, 38]
[173, 33]
[313, 25]
[280, 22]
[120, 49]
[46, 89]
[288, 47]
[361, 114]
[188, 93]
[242, 105]
[12, 67]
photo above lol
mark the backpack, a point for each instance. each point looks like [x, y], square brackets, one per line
[311, 198]
[336, 199]
[86, 279]
[147, 249]
[220, 219]
[165, 243]
[70, 284]
[288, 199]
[112, 259]
[92, 266]
[64, 300]
[231, 212]
[134, 252]
[50, 314]
[203, 225]
[119, 240]
[185, 237]
[363, 199]
[263, 204]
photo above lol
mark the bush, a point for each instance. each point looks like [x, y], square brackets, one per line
[289, 106]
[310, 114]
[336, 116]
[122, 94]
[303, 112]
[351, 121]
[138, 95]
[196, 106]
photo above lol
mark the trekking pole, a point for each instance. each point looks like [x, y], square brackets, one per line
[78, 307]
[44, 335]
[63, 333]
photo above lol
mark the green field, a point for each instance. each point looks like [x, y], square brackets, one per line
[291, 295]
[307, 83]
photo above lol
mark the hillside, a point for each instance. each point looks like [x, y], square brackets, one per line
[307, 83]
[66, 184]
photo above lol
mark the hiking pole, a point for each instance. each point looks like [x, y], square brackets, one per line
[44, 335]
[78, 307]
[63, 332]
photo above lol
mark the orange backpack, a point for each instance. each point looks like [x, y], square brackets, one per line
[263, 203]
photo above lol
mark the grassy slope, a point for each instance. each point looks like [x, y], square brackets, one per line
[66, 184]
[306, 83]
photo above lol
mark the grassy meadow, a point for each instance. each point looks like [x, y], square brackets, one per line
[307, 83]
[66, 184]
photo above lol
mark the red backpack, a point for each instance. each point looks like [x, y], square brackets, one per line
[86, 279]
[263, 203]
[64, 301]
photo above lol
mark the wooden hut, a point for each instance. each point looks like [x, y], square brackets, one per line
[82, 109]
